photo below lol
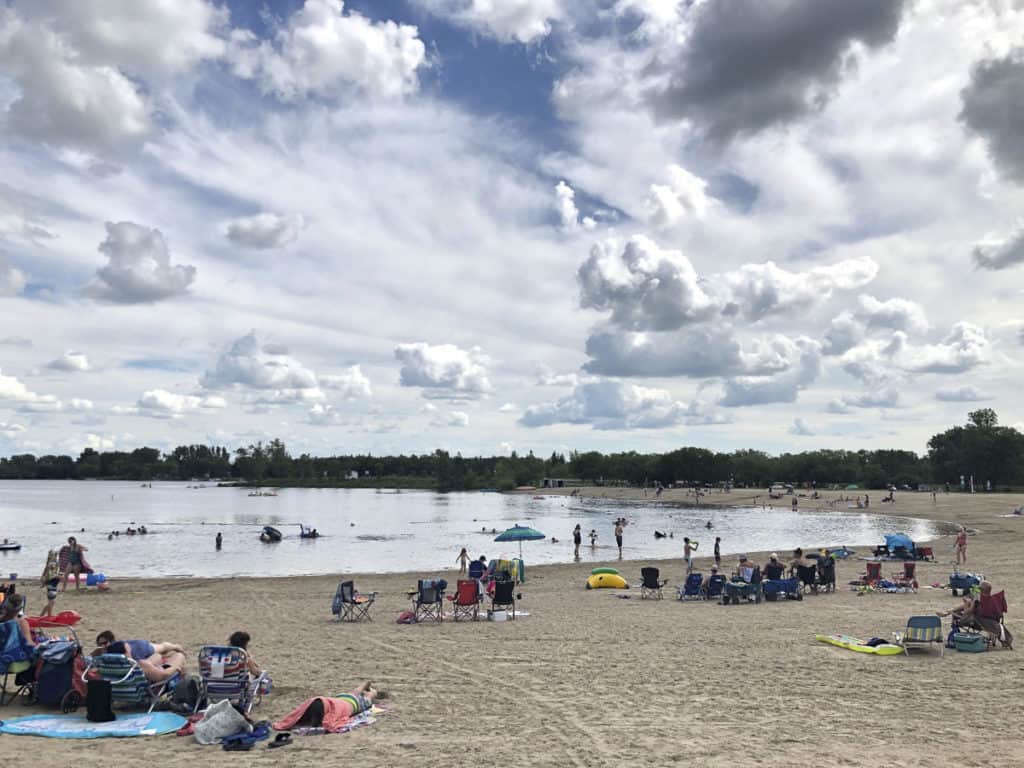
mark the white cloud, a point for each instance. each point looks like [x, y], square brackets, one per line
[138, 269]
[965, 347]
[524, 21]
[322, 415]
[13, 390]
[1001, 253]
[882, 398]
[12, 281]
[508, 408]
[161, 404]
[568, 214]
[684, 195]
[776, 388]
[800, 428]
[71, 362]
[322, 50]
[248, 364]
[965, 394]
[79, 405]
[850, 328]
[443, 370]
[457, 419]
[265, 230]
[350, 384]
[609, 405]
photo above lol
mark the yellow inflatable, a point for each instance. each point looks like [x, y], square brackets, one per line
[606, 581]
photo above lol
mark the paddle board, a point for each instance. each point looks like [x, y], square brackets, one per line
[856, 644]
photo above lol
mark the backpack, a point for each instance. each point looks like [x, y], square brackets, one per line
[99, 702]
[188, 695]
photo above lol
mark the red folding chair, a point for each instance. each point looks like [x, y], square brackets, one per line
[466, 600]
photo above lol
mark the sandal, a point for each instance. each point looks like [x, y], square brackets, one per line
[238, 745]
[281, 740]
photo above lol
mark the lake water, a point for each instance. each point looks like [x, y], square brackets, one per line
[370, 531]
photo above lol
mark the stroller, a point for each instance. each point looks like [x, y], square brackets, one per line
[55, 680]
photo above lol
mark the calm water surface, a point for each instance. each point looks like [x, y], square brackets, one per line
[370, 531]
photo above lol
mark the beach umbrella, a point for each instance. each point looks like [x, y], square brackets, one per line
[520, 533]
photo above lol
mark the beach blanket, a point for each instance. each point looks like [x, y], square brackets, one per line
[77, 727]
[338, 717]
[365, 718]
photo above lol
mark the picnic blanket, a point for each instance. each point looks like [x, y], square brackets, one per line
[77, 727]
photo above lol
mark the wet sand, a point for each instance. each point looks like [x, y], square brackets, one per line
[591, 680]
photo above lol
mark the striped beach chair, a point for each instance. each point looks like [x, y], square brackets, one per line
[921, 630]
[224, 671]
[129, 687]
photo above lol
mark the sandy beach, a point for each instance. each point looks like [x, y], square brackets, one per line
[590, 680]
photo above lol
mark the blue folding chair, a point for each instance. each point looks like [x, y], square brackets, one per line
[921, 630]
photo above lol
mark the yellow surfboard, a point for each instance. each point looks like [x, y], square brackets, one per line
[856, 644]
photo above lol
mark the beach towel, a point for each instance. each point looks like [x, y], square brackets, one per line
[338, 717]
[77, 727]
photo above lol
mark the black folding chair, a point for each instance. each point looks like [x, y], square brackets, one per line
[350, 605]
[428, 602]
[651, 584]
[504, 596]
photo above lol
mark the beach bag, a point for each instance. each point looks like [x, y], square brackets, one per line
[99, 702]
[406, 617]
[187, 695]
[220, 721]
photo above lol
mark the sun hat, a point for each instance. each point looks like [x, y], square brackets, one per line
[774, 556]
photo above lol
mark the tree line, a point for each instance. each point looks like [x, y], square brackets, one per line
[980, 448]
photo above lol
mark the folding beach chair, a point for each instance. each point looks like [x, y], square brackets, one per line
[873, 573]
[716, 584]
[128, 684]
[224, 672]
[808, 576]
[428, 601]
[350, 605]
[908, 577]
[466, 600]
[827, 574]
[504, 597]
[651, 584]
[988, 619]
[690, 589]
[921, 630]
[477, 569]
[16, 658]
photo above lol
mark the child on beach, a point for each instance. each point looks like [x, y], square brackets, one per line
[463, 561]
[961, 546]
[620, 526]
[577, 539]
[51, 580]
[688, 554]
[593, 538]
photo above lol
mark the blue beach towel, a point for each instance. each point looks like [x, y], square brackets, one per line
[77, 727]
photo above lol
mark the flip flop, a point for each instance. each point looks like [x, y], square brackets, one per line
[238, 745]
[281, 740]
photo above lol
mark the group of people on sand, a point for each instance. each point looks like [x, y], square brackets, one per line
[161, 661]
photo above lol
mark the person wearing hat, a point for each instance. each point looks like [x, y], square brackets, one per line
[745, 568]
[773, 569]
[707, 582]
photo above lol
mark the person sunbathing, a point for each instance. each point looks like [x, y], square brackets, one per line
[151, 656]
[331, 713]
[241, 640]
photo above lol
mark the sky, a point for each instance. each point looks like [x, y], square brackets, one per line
[391, 226]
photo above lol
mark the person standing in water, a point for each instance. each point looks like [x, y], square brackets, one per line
[219, 541]
[73, 551]
[718, 550]
[620, 526]
[688, 554]
[577, 539]
[463, 561]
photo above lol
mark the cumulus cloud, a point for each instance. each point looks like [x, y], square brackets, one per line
[138, 269]
[781, 387]
[322, 415]
[524, 21]
[684, 195]
[965, 347]
[63, 100]
[609, 405]
[10, 430]
[278, 377]
[800, 428]
[750, 64]
[350, 384]
[443, 370]
[992, 109]
[264, 231]
[13, 390]
[508, 408]
[965, 394]
[882, 398]
[161, 404]
[324, 51]
[70, 362]
[568, 214]
[1001, 253]
[646, 288]
[849, 328]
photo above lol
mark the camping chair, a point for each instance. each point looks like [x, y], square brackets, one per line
[690, 589]
[785, 588]
[989, 618]
[350, 605]
[716, 584]
[808, 575]
[873, 573]
[908, 578]
[224, 672]
[128, 684]
[466, 600]
[924, 553]
[650, 584]
[749, 589]
[428, 600]
[16, 658]
[827, 574]
[921, 630]
[477, 570]
[504, 596]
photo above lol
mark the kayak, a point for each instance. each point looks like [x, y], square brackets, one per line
[856, 644]
[10, 546]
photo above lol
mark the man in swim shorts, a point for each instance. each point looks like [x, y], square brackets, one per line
[619, 527]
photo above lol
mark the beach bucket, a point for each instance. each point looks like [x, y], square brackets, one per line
[497, 615]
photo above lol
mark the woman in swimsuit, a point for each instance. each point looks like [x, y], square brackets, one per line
[74, 552]
[961, 546]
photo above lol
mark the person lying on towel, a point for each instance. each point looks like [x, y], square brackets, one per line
[330, 713]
